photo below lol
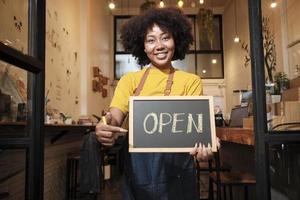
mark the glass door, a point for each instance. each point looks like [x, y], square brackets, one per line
[274, 41]
[22, 77]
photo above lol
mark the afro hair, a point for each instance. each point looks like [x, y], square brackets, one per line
[170, 19]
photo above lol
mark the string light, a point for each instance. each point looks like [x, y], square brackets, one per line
[161, 4]
[180, 3]
[201, 1]
[214, 61]
[193, 4]
[273, 4]
[112, 5]
[236, 38]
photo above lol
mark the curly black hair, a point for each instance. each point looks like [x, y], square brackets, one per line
[170, 19]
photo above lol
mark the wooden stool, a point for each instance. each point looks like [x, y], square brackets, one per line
[222, 179]
[203, 166]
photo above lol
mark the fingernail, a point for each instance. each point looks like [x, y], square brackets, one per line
[123, 130]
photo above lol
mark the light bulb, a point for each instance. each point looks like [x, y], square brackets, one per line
[201, 1]
[204, 71]
[273, 4]
[214, 61]
[236, 39]
[161, 4]
[180, 3]
[111, 5]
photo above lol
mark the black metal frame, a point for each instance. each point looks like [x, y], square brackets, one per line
[34, 63]
[263, 137]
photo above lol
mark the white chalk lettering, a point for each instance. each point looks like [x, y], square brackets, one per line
[162, 122]
[175, 120]
[155, 120]
[192, 122]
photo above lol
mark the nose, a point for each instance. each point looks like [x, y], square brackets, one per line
[160, 45]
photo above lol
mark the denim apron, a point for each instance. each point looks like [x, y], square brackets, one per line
[159, 176]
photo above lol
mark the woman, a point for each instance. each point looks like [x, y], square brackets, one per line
[156, 37]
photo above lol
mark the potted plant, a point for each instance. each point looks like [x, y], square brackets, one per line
[281, 82]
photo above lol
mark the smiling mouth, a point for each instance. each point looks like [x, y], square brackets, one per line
[161, 55]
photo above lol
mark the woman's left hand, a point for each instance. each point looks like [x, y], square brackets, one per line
[203, 153]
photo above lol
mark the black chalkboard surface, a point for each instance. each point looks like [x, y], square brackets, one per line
[170, 123]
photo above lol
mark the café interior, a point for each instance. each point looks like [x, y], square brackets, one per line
[60, 62]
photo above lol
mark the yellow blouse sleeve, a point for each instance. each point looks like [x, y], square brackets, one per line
[122, 93]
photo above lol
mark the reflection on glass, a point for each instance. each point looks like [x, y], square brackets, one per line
[283, 114]
[208, 39]
[192, 20]
[12, 174]
[13, 93]
[187, 64]
[209, 65]
[119, 23]
[125, 63]
[284, 171]
[14, 24]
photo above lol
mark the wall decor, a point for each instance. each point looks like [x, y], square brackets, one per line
[18, 24]
[269, 49]
[247, 57]
[96, 71]
[104, 92]
[104, 80]
[95, 85]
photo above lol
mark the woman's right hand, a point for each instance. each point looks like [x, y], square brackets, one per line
[107, 133]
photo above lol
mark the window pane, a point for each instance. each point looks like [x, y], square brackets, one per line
[119, 23]
[14, 17]
[284, 171]
[12, 174]
[284, 115]
[209, 65]
[125, 63]
[192, 20]
[208, 33]
[13, 99]
[187, 64]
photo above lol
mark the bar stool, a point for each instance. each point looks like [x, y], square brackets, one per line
[4, 195]
[72, 177]
[222, 179]
[203, 166]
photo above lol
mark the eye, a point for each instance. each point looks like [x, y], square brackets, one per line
[150, 41]
[166, 38]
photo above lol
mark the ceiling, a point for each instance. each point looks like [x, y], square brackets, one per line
[187, 3]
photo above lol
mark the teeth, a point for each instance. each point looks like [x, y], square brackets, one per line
[161, 55]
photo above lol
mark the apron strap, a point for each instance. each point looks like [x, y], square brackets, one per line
[169, 84]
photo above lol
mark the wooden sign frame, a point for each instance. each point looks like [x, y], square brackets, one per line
[209, 101]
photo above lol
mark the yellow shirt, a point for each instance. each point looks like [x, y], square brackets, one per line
[184, 84]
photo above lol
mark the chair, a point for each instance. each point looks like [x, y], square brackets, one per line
[203, 166]
[72, 176]
[224, 179]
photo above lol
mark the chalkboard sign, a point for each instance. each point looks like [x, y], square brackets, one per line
[170, 123]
